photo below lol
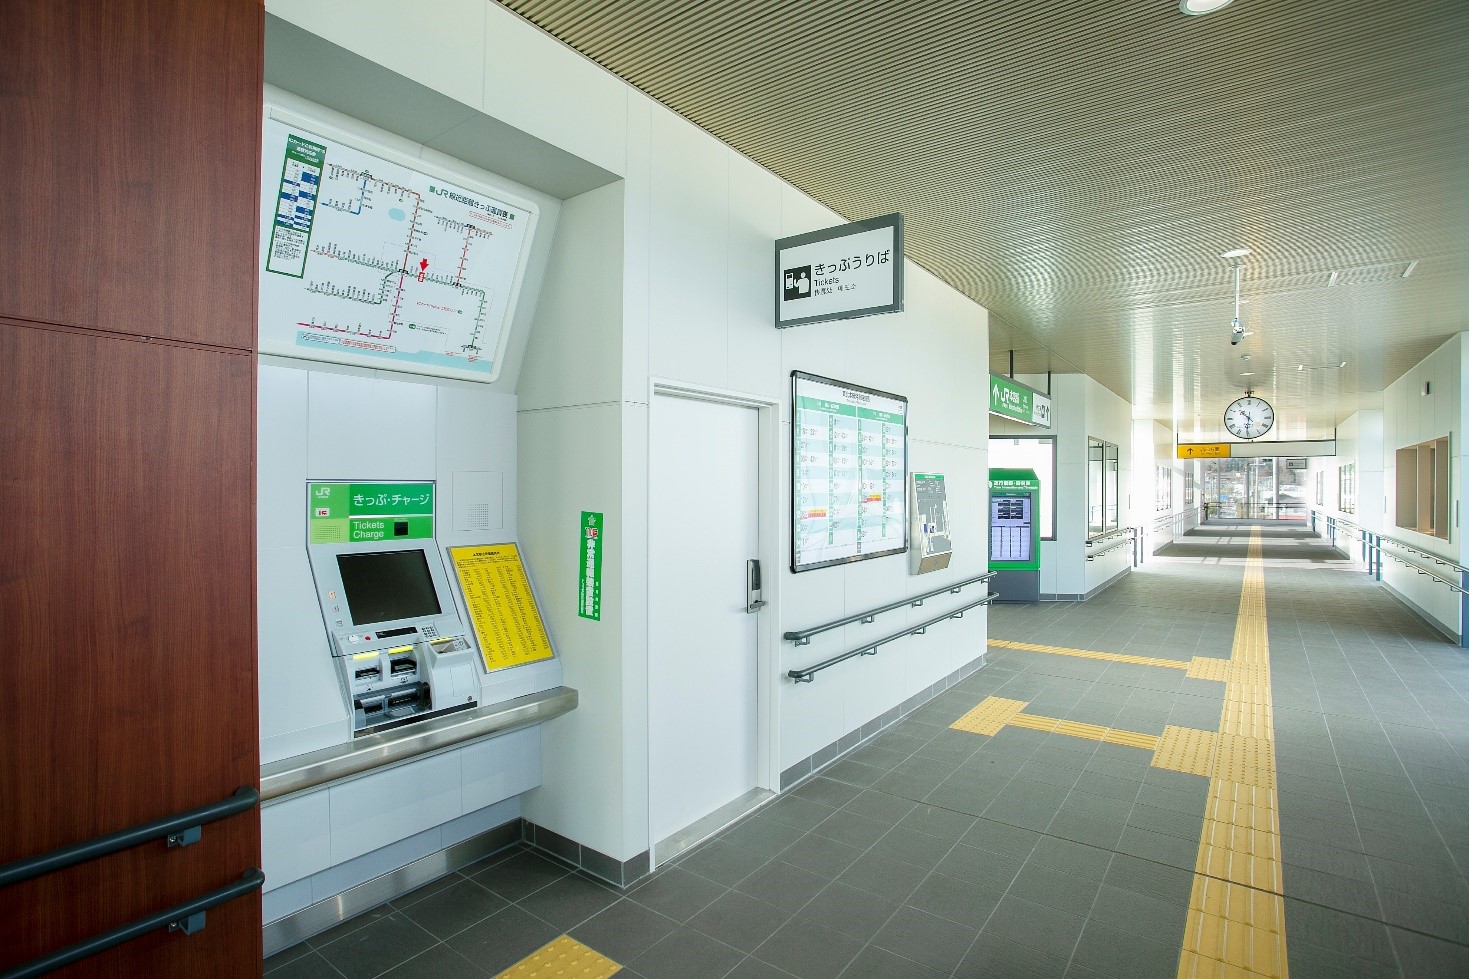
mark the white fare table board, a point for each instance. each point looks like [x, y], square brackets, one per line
[850, 472]
[370, 258]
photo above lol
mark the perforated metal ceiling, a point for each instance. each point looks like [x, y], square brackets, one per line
[1078, 167]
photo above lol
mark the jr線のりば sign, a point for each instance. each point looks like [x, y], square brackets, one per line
[840, 273]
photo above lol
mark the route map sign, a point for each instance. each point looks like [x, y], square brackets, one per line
[371, 258]
[849, 472]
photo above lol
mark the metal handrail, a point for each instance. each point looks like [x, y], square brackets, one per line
[180, 829]
[870, 649]
[802, 637]
[1108, 535]
[1423, 570]
[1422, 553]
[187, 918]
[1110, 547]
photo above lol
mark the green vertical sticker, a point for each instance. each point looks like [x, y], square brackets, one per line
[589, 578]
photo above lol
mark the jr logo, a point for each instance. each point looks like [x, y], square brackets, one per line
[322, 492]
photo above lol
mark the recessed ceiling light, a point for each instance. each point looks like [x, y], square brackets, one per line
[1409, 270]
[1196, 7]
[1214, 5]
[1246, 373]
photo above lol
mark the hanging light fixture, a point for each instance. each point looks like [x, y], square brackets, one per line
[1236, 326]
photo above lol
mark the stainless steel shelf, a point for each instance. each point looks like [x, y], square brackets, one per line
[315, 768]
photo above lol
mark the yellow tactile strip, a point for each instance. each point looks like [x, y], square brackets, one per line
[1236, 921]
[1172, 664]
[565, 957]
[989, 716]
[994, 713]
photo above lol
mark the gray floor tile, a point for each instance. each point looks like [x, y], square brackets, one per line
[369, 951]
[677, 893]
[783, 885]
[1056, 889]
[851, 910]
[623, 931]
[568, 902]
[684, 953]
[520, 874]
[965, 901]
[724, 863]
[503, 939]
[1035, 926]
[451, 909]
[740, 921]
[883, 875]
[437, 963]
[820, 855]
[878, 963]
[809, 950]
[926, 939]
[1124, 955]
[306, 964]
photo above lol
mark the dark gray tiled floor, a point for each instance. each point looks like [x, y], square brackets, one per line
[931, 852]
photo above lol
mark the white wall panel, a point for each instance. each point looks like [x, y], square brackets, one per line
[295, 837]
[754, 222]
[301, 702]
[369, 428]
[498, 768]
[280, 460]
[370, 812]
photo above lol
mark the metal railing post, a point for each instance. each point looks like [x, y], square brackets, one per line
[1463, 609]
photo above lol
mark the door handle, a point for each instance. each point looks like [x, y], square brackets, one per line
[753, 600]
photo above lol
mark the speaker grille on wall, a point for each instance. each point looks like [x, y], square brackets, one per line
[478, 501]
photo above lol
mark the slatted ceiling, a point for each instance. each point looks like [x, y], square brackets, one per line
[1078, 167]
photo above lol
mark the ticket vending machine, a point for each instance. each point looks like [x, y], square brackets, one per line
[1015, 552]
[402, 649]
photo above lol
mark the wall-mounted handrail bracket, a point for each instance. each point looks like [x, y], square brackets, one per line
[189, 925]
[186, 837]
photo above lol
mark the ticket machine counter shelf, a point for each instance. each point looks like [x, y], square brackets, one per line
[376, 751]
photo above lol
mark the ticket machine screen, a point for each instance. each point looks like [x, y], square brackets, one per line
[386, 585]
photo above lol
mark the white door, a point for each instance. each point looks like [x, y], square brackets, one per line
[703, 527]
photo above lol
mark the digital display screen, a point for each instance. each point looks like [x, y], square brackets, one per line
[1010, 528]
[387, 585]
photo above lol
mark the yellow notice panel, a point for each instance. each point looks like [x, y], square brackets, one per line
[497, 593]
[1203, 450]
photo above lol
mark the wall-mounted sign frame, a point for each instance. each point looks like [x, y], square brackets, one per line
[357, 513]
[840, 273]
[1018, 402]
[1014, 512]
[849, 472]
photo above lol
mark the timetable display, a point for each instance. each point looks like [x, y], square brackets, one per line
[849, 449]
[1010, 528]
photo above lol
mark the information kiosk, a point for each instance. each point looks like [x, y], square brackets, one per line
[1015, 552]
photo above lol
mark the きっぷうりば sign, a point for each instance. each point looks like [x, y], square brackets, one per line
[840, 273]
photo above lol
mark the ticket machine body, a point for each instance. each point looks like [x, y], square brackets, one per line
[402, 649]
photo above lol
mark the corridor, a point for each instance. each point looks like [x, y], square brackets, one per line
[1245, 758]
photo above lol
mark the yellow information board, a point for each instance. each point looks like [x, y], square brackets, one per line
[498, 596]
[1203, 450]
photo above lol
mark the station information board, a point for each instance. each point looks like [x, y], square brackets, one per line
[501, 606]
[849, 449]
[1014, 533]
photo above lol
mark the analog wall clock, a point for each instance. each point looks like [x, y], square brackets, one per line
[1249, 417]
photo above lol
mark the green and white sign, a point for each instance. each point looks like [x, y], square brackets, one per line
[1015, 542]
[353, 513]
[1010, 399]
[589, 577]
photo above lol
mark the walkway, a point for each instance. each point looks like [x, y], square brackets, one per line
[1245, 758]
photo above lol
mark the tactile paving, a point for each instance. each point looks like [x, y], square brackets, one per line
[989, 716]
[1186, 749]
[565, 958]
[1171, 664]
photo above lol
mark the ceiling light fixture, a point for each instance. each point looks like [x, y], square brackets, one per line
[1409, 270]
[1236, 327]
[1233, 252]
[1196, 7]
[1246, 373]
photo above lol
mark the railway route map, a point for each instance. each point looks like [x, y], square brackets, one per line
[368, 260]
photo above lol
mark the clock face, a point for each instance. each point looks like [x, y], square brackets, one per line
[1249, 417]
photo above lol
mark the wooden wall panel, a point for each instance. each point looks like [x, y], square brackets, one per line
[130, 154]
[127, 586]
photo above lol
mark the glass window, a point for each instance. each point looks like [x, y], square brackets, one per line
[1109, 487]
[1094, 504]
[1163, 489]
[1347, 477]
[1036, 452]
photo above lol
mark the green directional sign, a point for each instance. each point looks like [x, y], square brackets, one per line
[1010, 399]
[589, 574]
[351, 513]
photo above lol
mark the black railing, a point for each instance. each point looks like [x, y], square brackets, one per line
[870, 649]
[1255, 511]
[186, 918]
[180, 829]
[803, 636]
